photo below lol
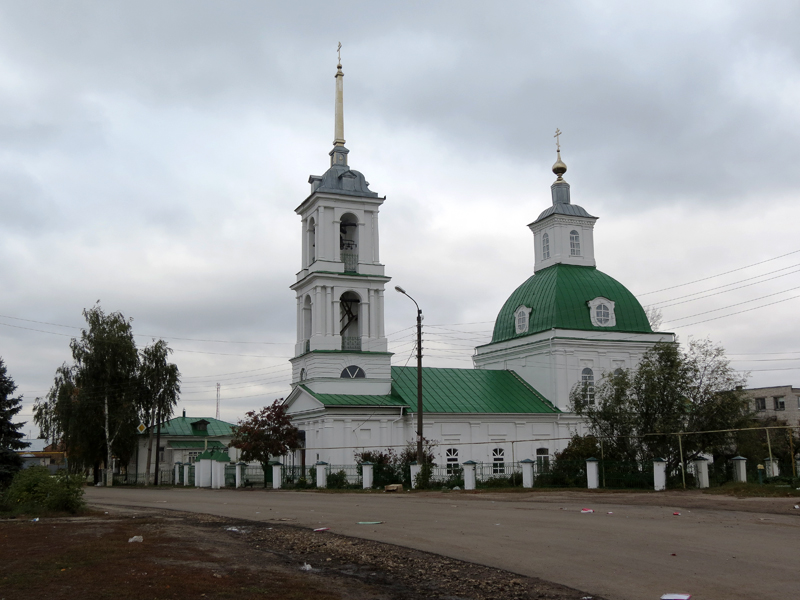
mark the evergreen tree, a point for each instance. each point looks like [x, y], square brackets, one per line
[10, 436]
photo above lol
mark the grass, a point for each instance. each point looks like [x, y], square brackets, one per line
[755, 490]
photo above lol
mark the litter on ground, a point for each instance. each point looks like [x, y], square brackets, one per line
[677, 514]
[136, 538]
[587, 510]
[370, 522]
[36, 520]
[676, 597]
[322, 529]
[305, 567]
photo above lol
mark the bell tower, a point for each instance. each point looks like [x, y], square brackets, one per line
[341, 343]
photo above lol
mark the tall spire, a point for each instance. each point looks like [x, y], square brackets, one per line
[338, 138]
[560, 188]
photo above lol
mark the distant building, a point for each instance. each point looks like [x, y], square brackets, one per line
[781, 402]
[39, 454]
[182, 440]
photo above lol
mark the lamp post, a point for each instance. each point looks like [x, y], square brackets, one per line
[420, 452]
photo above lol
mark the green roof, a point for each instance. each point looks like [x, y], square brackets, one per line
[183, 426]
[195, 444]
[451, 391]
[469, 391]
[558, 297]
[356, 399]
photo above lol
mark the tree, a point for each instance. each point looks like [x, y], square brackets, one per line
[160, 388]
[637, 412]
[10, 436]
[264, 434]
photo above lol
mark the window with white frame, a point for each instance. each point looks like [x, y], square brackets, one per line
[545, 246]
[498, 461]
[601, 312]
[779, 403]
[192, 455]
[574, 243]
[522, 319]
[451, 458]
[587, 383]
[761, 404]
[542, 460]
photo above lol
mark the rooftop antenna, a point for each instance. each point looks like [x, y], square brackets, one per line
[217, 402]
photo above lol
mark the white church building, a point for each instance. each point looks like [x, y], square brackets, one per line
[568, 324]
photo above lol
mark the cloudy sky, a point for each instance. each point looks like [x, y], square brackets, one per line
[152, 155]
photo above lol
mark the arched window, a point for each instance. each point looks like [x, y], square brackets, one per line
[617, 372]
[574, 243]
[545, 246]
[348, 242]
[521, 319]
[308, 323]
[302, 374]
[350, 329]
[602, 314]
[451, 458]
[312, 240]
[587, 381]
[353, 372]
[498, 461]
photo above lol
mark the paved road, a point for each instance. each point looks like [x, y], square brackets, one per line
[627, 555]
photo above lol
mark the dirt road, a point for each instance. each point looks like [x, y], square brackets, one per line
[632, 547]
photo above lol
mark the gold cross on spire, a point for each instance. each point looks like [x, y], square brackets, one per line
[558, 142]
[339, 52]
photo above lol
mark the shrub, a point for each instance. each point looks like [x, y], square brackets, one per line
[33, 489]
[337, 481]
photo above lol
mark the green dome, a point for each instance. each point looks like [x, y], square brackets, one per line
[558, 297]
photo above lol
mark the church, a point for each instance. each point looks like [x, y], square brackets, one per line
[567, 325]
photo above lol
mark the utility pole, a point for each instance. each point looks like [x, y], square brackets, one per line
[158, 444]
[420, 450]
[217, 402]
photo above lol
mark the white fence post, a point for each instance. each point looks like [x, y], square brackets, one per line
[469, 475]
[322, 479]
[527, 472]
[186, 468]
[366, 475]
[415, 469]
[592, 474]
[239, 473]
[177, 472]
[277, 475]
[739, 469]
[659, 474]
[701, 471]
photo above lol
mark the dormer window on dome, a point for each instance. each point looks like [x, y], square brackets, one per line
[601, 312]
[574, 243]
[522, 319]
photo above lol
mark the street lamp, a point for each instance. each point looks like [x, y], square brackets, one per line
[420, 453]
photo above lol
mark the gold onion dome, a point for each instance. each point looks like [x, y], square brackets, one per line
[559, 168]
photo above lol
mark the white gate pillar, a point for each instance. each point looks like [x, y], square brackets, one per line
[592, 474]
[527, 472]
[469, 475]
[277, 475]
[322, 479]
[739, 469]
[177, 473]
[186, 468]
[659, 474]
[415, 469]
[366, 475]
[701, 472]
[239, 474]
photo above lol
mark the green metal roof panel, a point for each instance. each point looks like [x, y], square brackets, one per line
[183, 426]
[355, 399]
[558, 297]
[468, 391]
[177, 444]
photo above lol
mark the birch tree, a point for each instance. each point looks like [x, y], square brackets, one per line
[105, 377]
[160, 388]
